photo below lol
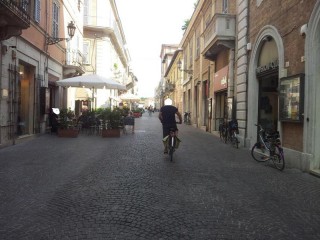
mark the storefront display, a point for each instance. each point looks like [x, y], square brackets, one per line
[291, 98]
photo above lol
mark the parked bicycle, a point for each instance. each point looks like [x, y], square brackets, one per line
[228, 132]
[232, 133]
[187, 118]
[268, 148]
[223, 131]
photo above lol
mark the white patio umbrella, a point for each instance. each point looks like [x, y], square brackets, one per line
[129, 97]
[91, 81]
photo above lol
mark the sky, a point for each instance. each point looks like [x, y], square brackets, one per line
[147, 24]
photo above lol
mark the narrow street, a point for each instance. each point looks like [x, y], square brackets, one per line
[126, 188]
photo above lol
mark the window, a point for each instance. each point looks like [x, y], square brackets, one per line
[190, 54]
[227, 23]
[37, 11]
[184, 62]
[86, 49]
[24, 5]
[55, 20]
[86, 12]
[225, 6]
[197, 44]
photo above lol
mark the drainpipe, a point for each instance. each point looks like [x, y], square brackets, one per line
[0, 87]
[231, 83]
[247, 73]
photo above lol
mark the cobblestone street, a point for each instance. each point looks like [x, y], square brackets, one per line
[126, 188]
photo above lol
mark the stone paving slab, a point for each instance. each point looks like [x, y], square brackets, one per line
[126, 188]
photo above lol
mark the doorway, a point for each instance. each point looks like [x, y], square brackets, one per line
[221, 108]
[25, 103]
[268, 102]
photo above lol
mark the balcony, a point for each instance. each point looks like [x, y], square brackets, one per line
[14, 16]
[220, 32]
[100, 27]
[170, 87]
[74, 64]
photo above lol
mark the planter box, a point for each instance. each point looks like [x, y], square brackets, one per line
[110, 132]
[136, 114]
[68, 133]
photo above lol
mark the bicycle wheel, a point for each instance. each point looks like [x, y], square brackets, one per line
[235, 141]
[258, 152]
[171, 146]
[225, 135]
[171, 154]
[221, 134]
[278, 158]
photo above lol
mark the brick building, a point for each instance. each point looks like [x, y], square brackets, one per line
[280, 89]
[256, 61]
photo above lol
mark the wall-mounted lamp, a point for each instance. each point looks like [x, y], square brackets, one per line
[184, 70]
[71, 29]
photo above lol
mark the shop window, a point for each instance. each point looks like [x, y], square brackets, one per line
[291, 98]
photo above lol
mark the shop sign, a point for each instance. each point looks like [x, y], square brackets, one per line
[270, 66]
[221, 79]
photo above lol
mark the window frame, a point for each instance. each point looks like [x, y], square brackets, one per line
[55, 19]
[225, 5]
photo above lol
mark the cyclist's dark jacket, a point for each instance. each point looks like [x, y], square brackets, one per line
[168, 114]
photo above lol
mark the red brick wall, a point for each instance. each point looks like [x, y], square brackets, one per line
[287, 16]
[292, 136]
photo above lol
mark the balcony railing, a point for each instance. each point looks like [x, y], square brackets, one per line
[74, 63]
[170, 87]
[14, 16]
[221, 27]
[20, 9]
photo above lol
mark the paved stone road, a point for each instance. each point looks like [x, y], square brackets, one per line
[126, 188]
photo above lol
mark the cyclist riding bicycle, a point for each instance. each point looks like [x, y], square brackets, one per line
[167, 116]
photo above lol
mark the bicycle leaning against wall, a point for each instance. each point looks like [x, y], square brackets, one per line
[268, 148]
[228, 132]
[187, 118]
[232, 133]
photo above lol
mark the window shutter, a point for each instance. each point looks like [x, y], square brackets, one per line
[37, 11]
[86, 48]
[55, 20]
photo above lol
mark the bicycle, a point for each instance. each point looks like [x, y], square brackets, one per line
[232, 131]
[228, 132]
[172, 142]
[223, 131]
[187, 118]
[268, 148]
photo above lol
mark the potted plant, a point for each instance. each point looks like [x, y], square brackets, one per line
[137, 113]
[88, 120]
[111, 122]
[67, 126]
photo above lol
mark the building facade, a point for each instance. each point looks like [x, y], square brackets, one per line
[42, 42]
[162, 91]
[105, 54]
[281, 80]
[34, 56]
[257, 63]
[208, 47]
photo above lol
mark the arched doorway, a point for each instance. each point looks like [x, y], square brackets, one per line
[266, 64]
[267, 77]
